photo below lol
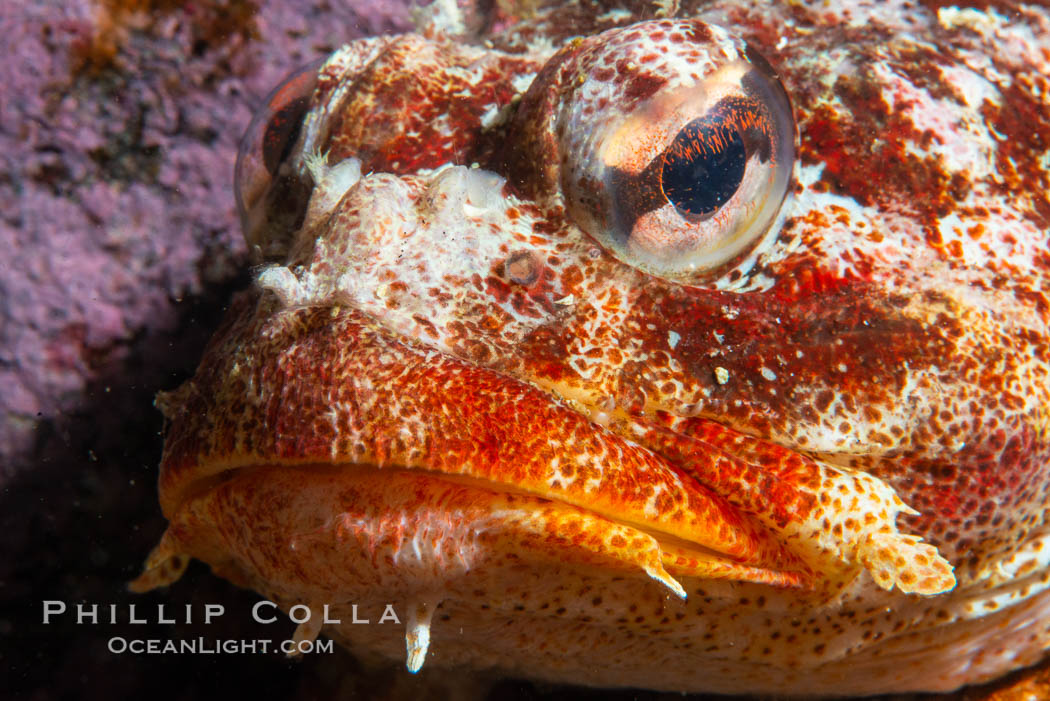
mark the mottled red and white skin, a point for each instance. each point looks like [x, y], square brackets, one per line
[485, 377]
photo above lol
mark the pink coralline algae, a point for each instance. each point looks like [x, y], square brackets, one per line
[119, 126]
[118, 133]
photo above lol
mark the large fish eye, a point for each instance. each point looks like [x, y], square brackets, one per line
[691, 179]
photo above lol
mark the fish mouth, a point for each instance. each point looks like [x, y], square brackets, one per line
[307, 397]
[411, 498]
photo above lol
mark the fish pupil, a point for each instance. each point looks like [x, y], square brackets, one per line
[703, 167]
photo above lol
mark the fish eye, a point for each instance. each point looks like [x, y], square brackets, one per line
[690, 180]
[264, 175]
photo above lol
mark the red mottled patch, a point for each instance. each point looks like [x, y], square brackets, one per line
[758, 476]
[1022, 128]
[641, 86]
[398, 121]
[698, 33]
[830, 323]
[872, 135]
[1002, 474]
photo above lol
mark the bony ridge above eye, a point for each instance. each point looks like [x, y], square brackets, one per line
[674, 145]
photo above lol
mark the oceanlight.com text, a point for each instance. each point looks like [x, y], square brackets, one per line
[203, 646]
